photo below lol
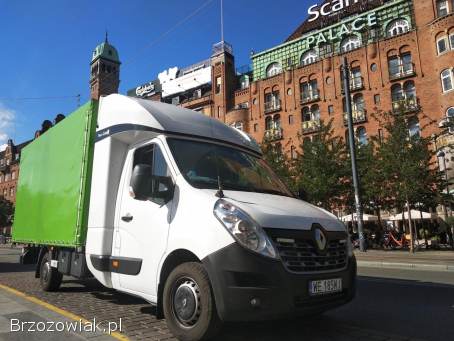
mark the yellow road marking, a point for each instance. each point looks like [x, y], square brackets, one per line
[115, 335]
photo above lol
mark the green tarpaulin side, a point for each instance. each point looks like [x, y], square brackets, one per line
[54, 182]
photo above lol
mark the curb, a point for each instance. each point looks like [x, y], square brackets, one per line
[407, 266]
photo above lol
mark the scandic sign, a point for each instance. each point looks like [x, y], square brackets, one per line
[329, 7]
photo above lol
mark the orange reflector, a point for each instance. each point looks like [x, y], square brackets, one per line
[115, 263]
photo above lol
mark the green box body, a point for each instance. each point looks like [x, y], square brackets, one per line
[53, 191]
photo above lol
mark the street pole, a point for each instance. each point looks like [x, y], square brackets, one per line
[351, 138]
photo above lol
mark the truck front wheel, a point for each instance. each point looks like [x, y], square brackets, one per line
[49, 277]
[189, 305]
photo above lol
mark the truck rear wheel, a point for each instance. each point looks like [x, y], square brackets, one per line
[189, 305]
[49, 277]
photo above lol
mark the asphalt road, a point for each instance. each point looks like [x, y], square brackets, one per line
[390, 305]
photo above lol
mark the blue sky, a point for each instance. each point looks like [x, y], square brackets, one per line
[47, 45]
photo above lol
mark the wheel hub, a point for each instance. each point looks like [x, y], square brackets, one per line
[186, 302]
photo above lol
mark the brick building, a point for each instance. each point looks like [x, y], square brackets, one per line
[9, 173]
[401, 57]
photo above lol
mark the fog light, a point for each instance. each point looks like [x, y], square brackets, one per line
[255, 302]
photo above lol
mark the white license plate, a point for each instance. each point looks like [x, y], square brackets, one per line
[325, 286]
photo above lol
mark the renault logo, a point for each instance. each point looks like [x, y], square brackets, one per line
[320, 239]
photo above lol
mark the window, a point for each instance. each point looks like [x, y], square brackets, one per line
[309, 90]
[151, 155]
[447, 80]
[218, 84]
[5, 193]
[450, 113]
[373, 67]
[413, 127]
[450, 119]
[306, 114]
[398, 26]
[309, 57]
[358, 103]
[1, 178]
[237, 125]
[361, 134]
[325, 50]
[315, 112]
[244, 82]
[377, 99]
[273, 69]
[409, 90]
[290, 119]
[442, 45]
[7, 177]
[13, 175]
[272, 101]
[219, 112]
[293, 153]
[442, 8]
[350, 43]
[451, 38]
[400, 66]
[11, 192]
[256, 127]
[268, 123]
[330, 109]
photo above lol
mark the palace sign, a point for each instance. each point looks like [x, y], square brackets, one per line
[346, 28]
[328, 8]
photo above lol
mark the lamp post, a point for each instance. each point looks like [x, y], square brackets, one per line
[351, 138]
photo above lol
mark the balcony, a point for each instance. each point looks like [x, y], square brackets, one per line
[406, 105]
[274, 134]
[272, 106]
[310, 96]
[359, 116]
[310, 127]
[356, 83]
[402, 71]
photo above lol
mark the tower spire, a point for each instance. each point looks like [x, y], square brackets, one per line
[107, 36]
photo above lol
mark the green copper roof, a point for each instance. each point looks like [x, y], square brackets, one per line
[106, 51]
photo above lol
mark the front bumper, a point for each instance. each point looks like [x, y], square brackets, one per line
[238, 276]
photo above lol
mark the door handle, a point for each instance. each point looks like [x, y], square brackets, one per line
[127, 218]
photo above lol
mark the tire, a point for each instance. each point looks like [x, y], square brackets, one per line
[189, 305]
[49, 277]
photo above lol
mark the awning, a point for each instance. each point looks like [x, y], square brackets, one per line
[366, 217]
[415, 215]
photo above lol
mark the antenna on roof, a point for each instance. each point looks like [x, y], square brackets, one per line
[222, 20]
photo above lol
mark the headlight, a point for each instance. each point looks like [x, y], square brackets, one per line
[245, 230]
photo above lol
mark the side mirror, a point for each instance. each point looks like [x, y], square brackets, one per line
[162, 189]
[302, 194]
[141, 181]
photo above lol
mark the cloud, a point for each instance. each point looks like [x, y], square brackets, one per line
[7, 117]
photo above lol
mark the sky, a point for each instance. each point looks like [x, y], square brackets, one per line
[47, 46]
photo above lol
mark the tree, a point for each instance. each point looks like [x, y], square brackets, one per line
[321, 168]
[279, 162]
[6, 211]
[408, 172]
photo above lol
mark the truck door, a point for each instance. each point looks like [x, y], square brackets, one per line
[141, 237]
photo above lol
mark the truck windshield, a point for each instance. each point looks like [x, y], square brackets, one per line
[201, 163]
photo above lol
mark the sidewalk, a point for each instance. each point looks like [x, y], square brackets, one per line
[403, 259]
[23, 319]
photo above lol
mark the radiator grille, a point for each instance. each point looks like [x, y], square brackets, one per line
[300, 253]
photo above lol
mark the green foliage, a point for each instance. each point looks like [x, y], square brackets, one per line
[6, 212]
[321, 168]
[279, 162]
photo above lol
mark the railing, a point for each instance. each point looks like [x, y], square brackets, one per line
[359, 116]
[310, 96]
[405, 105]
[402, 71]
[272, 106]
[273, 134]
[311, 126]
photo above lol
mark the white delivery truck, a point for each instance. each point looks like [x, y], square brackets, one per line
[181, 210]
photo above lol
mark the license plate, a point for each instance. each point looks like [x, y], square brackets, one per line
[325, 286]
